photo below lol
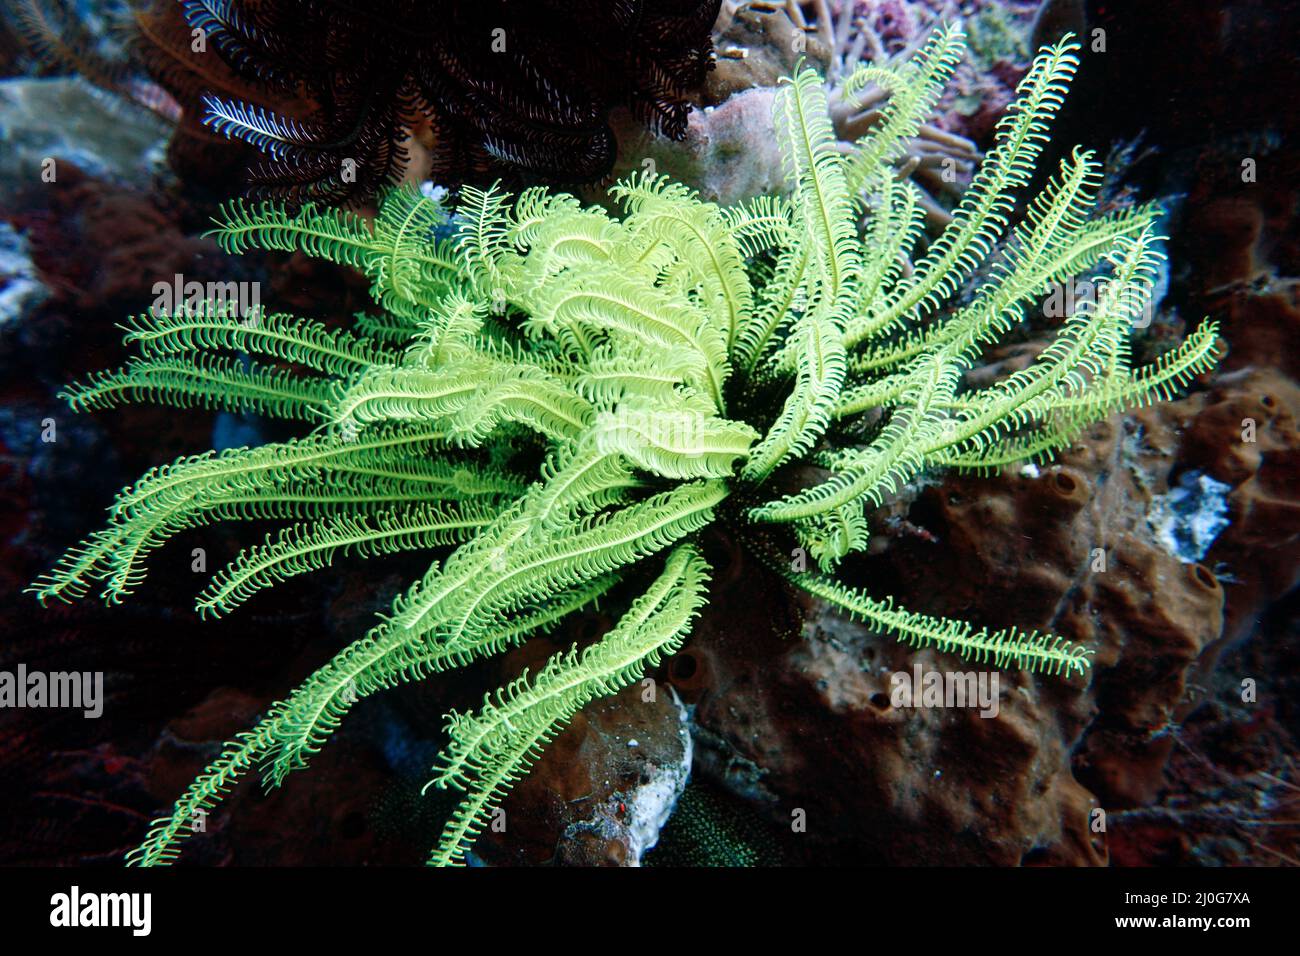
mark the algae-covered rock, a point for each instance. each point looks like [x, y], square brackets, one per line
[97, 134]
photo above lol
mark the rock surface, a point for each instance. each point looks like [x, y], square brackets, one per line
[90, 134]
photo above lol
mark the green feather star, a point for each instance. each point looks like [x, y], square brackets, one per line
[553, 397]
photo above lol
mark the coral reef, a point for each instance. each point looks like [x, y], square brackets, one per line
[729, 152]
[1186, 770]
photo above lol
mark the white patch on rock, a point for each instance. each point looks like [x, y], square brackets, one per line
[651, 804]
[21, 288]
[1193, 513]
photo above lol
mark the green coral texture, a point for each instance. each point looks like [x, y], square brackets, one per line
[551, 400]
